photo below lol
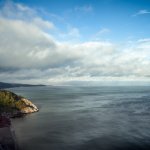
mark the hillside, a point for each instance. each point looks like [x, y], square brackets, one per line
[14, 104]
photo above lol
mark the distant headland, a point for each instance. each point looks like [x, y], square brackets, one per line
[4, 85]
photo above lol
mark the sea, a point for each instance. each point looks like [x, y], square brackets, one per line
[85, 118]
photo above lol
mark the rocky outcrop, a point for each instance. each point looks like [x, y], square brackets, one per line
[15, 105]
[29, 107]
[12, 105]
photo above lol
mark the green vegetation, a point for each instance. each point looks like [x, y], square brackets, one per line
[15, 105]
[11, 100]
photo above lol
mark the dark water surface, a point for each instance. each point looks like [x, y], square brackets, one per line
[85, 118]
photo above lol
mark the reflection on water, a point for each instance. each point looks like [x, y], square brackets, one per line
[85, 118]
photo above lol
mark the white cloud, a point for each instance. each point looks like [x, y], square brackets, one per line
[43, 24]
[28, 53]
[71, 34]
[74, 32]
[103, 31]
[15, 10]
[85, 8]
[142, 12]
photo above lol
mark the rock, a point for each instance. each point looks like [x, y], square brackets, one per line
[14, 105]
[30, 107]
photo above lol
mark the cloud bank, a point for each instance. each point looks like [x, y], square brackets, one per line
[30, 53]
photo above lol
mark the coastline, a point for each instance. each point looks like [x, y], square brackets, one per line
[7, 134]
[12, 106]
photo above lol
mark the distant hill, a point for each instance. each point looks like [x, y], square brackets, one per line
[4, 85]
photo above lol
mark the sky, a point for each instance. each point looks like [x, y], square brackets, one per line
[70, 41]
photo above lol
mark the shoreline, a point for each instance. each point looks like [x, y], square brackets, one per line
[7, 134]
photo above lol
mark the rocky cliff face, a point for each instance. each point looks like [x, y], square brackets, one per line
[29, 107]
[14, 104]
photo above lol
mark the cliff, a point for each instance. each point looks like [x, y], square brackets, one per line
[15, 105]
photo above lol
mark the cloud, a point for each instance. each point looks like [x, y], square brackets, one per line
[141, 12]
[72, 34]
[43, 24]
[27, 41]
[103, 32]
[85, 8]
[29, 53]
[17, 11]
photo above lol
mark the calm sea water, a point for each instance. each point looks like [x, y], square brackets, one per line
[85, 118]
